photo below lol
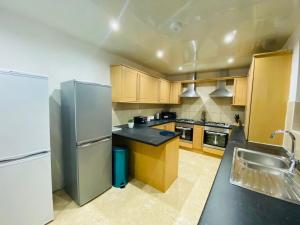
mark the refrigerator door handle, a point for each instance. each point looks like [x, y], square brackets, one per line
[94, 142]
[23, 157]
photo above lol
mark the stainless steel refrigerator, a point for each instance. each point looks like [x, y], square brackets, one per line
[86, 118]
[25, 167]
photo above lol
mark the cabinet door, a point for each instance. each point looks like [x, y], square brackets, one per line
[240, 91]
[198, 137]
[159, 127]
[164, 91]
[148, 88]
[129, 85]
[269, 98]
[175, 92]
[171, 126]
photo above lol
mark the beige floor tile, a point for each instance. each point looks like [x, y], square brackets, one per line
[140, 204]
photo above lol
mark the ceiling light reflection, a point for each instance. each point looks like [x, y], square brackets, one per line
[230, 60]
[229, 37]
[159, 54]
[114, 25]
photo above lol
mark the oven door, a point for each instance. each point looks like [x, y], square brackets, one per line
[186, 133]
[216, 139]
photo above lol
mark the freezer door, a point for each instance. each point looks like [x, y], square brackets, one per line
[25, 191]
[94, 169]
[93, 111]
[24, 119]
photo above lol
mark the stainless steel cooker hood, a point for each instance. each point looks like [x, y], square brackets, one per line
[221, 90]
[190, 92]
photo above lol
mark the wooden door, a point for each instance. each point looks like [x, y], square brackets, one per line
[164, 91]
[175, 92]
[240, 91]
[148, 89]
[269, 97]
[129, 85]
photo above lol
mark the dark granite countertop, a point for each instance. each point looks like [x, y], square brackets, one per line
[145, 134]
[228, 204]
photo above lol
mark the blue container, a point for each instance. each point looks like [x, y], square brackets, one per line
[120, 166]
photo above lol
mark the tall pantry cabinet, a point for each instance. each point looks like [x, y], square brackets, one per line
[267, 96]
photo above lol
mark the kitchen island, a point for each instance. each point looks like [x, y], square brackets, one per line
[153, 158]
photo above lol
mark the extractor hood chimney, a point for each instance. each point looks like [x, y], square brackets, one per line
[190, 92]
[221, 90]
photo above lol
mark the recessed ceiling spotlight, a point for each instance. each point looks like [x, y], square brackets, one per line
[229, 37]
[180, 68]
[114, 25]
[159, 54]
[230, 60]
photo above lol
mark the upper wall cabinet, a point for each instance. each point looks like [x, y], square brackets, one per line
[148, 88]
[268, 91]
[133, 86]
[124, 82]
[240, 91]
[175, 92]
[164, 91]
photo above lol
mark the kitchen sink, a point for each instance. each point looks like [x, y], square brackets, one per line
[265, 173]
[268, 160]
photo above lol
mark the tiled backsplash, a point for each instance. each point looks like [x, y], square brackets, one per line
[122, 112]
[217, 109]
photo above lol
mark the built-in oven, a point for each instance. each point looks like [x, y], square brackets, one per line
[186, 131]
[215, 137]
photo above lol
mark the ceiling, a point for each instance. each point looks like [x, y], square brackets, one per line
[190, 33]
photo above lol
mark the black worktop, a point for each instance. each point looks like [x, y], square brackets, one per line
[144, 133]
[228, 204]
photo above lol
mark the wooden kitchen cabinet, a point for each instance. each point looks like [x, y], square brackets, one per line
[164, 91]
[269, 81]
[240, 91]
[148, 88]
[175, 92]
[166, 126]
[124, 81]
[213, 151]
[198, 133]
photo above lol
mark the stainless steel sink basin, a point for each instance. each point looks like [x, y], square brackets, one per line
[263, 159]
[265, 173]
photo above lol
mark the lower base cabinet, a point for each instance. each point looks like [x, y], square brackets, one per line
[166, 126]
[213, 151]
[198, 133]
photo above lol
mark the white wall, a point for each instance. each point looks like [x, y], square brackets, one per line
[31, 47]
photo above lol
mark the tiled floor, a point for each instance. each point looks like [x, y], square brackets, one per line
[140, 204]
